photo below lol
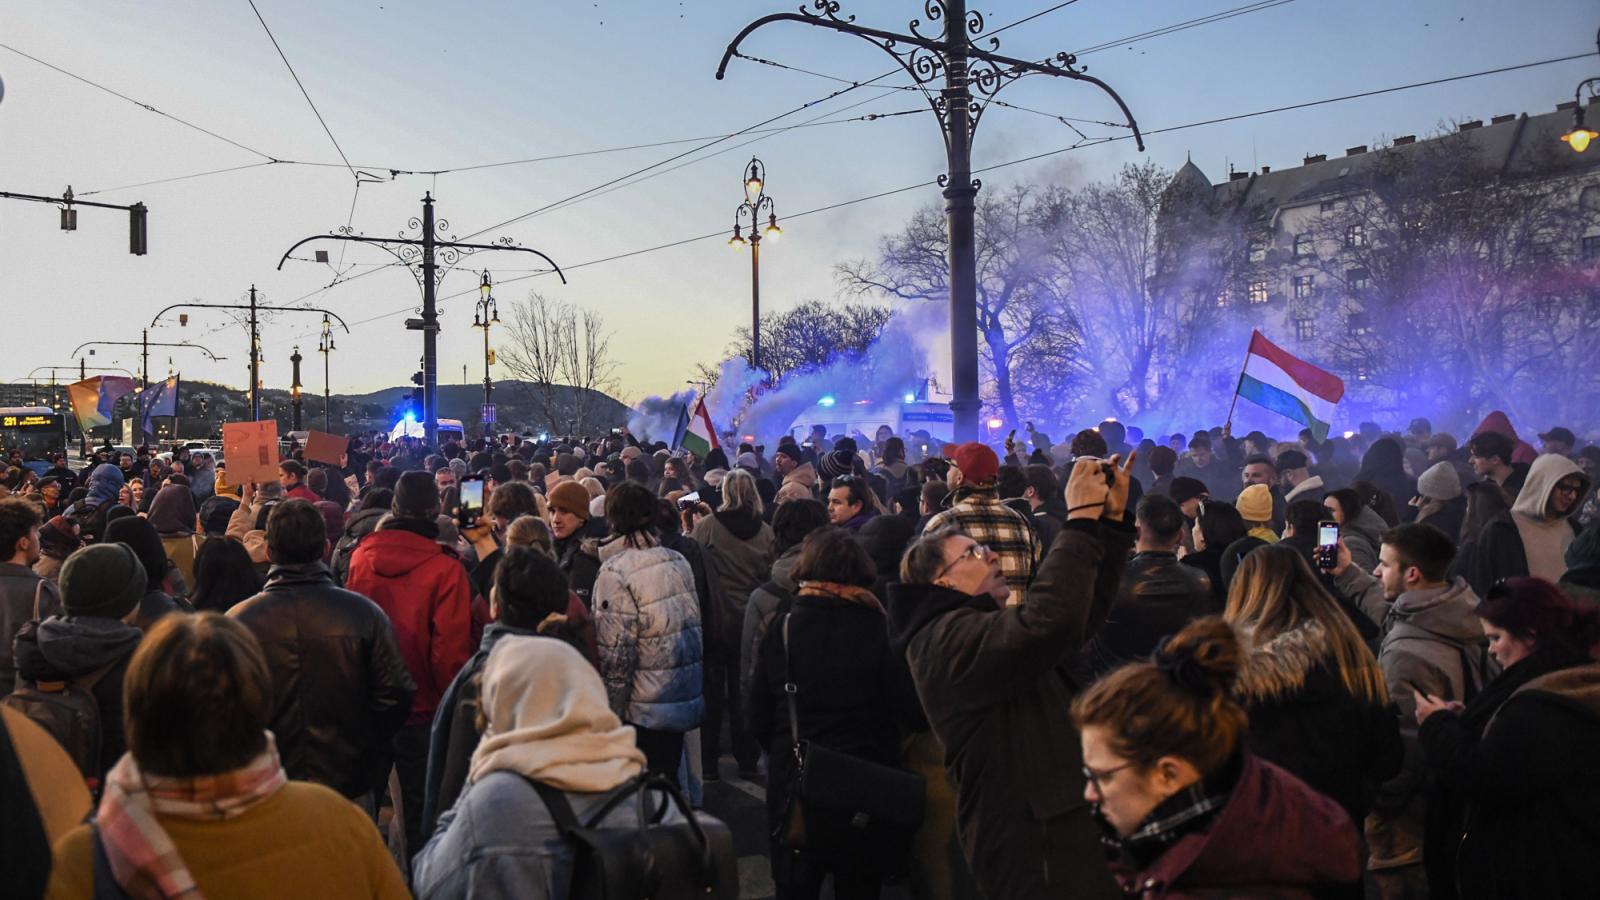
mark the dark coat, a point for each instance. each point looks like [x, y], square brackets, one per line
[62, 648]
[996, 687]
[1274, 838]
[1498, 553]
[1303, 718]
[850, 690]
[1157, 597]
[1516, 783]
[1209, 561]
[340, 687]
[580, 562]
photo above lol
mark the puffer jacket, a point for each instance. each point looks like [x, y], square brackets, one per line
[647, 622]
[739, 548]
[422, 588]
[340, 687]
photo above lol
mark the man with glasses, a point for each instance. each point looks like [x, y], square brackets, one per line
[1532, 537]
[994, 684]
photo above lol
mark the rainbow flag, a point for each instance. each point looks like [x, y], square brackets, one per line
[93, 399]
[1289, 386]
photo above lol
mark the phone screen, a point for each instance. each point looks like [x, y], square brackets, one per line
[1328, 534]
[471, 502]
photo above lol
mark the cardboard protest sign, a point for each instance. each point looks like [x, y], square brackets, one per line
[251, 449]
[323, 447]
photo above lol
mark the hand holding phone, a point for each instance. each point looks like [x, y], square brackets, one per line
[471, 504]
[1327, 544]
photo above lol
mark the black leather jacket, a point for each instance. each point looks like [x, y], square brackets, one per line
[340, 686]
[1157, 597]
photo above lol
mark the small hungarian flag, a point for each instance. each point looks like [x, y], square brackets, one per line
[1288, 386]
[695, 433]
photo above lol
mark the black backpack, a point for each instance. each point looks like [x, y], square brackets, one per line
[686, 860]
[69, 711]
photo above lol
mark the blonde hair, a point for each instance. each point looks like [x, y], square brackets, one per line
[593, 486]
[739, 492]
[527, 531]
[1275, 592]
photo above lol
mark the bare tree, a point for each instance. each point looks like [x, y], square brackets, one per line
[813, 334]
[552, 345]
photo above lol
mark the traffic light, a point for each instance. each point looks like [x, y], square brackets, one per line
[136, 229]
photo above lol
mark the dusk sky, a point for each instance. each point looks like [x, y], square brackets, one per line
[418, 86]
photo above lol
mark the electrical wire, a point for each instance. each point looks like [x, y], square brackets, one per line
[1184, 26]
[303, 92]
[128, 187]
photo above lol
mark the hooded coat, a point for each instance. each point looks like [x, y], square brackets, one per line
[1499, 423]
[1385, 466]
[769, 600]
[1523, 540]
[739, 547]
[995, 685]
[62, 648]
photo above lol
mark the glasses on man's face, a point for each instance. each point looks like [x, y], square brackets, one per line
[1568, 487]
[1100, 777]
[978, 552]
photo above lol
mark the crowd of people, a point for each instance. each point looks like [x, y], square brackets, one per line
[1175, 666]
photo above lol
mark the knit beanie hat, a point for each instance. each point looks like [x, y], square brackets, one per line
[1441, 482]
[1255, 503]
[215, 512]
[102, 580]
[839, 462]
[142, 539]
[792, 451]
[571, 497]
[415, 497]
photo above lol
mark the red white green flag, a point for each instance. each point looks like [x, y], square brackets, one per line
[696, 434]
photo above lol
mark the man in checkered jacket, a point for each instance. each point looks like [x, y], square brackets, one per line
[977, 512]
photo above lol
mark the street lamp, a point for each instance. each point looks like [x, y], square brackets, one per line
[756, 203]
[294, 385]
[486, 313]
[325, 346]
[1580, 135]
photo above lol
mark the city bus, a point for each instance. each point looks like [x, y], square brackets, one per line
[38, 431]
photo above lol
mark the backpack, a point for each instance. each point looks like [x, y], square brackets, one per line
[691, 858]
[69, 711]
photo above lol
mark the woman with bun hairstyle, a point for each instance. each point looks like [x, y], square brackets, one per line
[1513, 810]
[1188, 810]
[1317, 700]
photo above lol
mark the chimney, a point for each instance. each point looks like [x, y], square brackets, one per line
[1570, 104]
[1405, 139]
[1468, 126]
[1238, 176]
[1356, 151]
[1266, 169]
[1320, 157]
[1499, 119]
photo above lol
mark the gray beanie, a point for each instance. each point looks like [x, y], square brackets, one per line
[106, 581]
[1441, 482]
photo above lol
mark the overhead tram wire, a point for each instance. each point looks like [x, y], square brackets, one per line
[1165, 30]
[1026, 159]
[303, 92]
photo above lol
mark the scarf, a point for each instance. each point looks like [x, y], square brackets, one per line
[143, 858]
[1188, 811]
[550, 719]
[846, 592]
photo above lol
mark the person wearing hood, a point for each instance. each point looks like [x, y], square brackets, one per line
[174, 516]
[203, 477]
[1186, 809]
[994, 684]
[141, 538]
[1432, 641]
[547, 722]
[25, 595]
[977, 512]
[105, 486]
[740, 552]
[1384, 466]
[423, 588]
[91, 642]
[1532, 538]
[1497, 422]
[340, 687]
[1512, 813]
[1491, 456]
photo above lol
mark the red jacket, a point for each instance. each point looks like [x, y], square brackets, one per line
[424, 591]
[301, 492]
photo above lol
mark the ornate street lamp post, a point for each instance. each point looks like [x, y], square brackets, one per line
[484, 314]
[755, 203]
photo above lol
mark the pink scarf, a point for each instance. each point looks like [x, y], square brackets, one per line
[143, 858]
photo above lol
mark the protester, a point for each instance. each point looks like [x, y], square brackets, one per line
[423, 589]
[1513, 812]
[1359, 527]
[223, 575]
[579, 557]
[852, 502]
[364, 521]
[1316, 697]
[991, 683]
[647, 621]
[1217, 526]
[851, 693]
[1187, 808]
[340, 687]
[1532, 538]
[24, 595]
[1440, 501]
[201, 804]
[790, 526]
[1255, 507]
[1492, 455]
[739, 549]
[292, 475]
[58, 538]
[141, 537]
[976, 511]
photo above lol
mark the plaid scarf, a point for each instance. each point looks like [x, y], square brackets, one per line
[847, 592]
[1186, 812]
[143, 858]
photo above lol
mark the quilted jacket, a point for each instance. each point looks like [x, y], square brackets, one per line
[647, 622]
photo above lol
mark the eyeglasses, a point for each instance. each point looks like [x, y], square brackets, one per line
[978, 552]
[1567, 487]
[1099, 778]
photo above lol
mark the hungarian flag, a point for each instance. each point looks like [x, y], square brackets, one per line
[695, 433]
[160, 399]
[1290, 387]
[94, 399]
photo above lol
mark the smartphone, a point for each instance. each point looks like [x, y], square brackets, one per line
[1327, 544]
[471, 506]
[688, 501]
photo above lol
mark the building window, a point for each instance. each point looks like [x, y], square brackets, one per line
[1258, 292]
[1358, 279]
[1355, 236]
[1258, 251]
[1304, 286]
[1302, 246]
[1362, 374]
[1224, 298]
[1358, 324]
[1305, 329]
[1591, 248]
[1329, 206]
